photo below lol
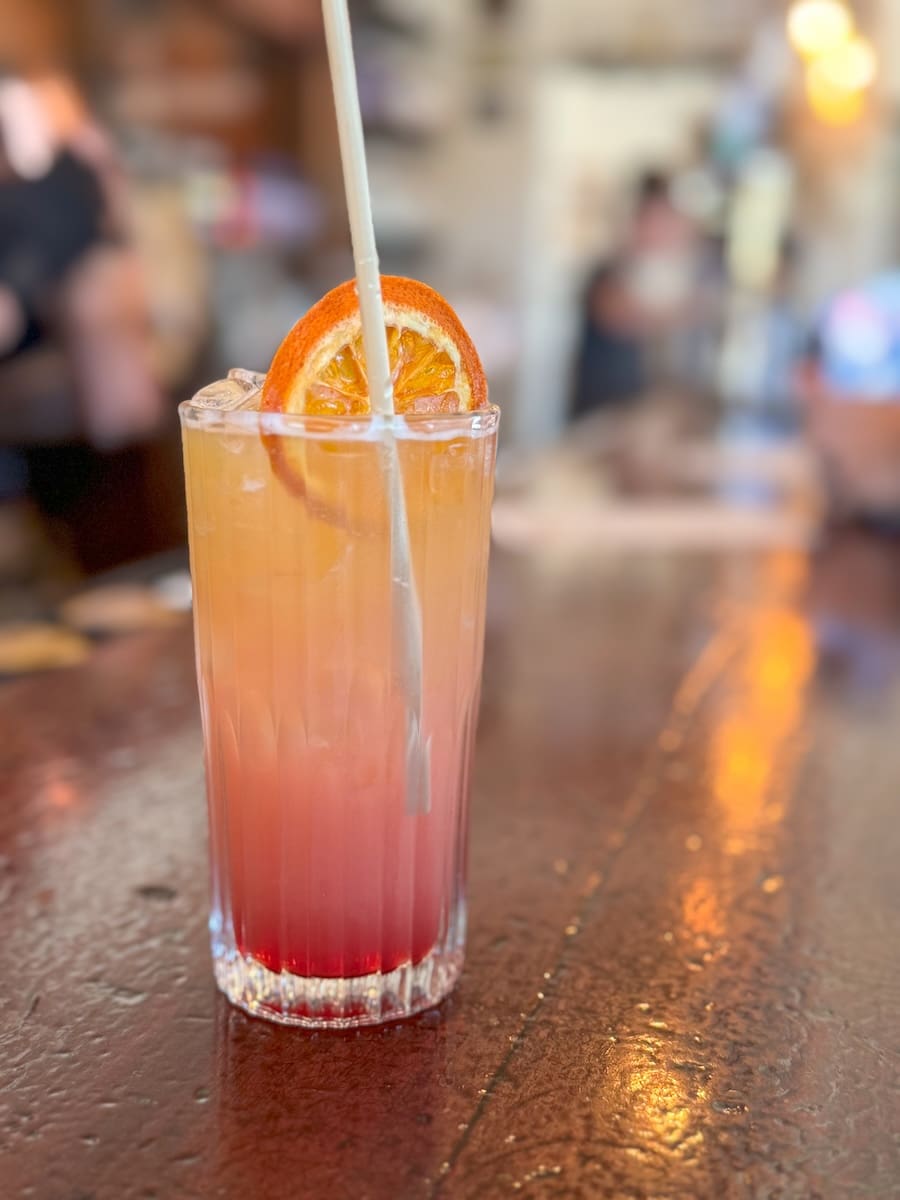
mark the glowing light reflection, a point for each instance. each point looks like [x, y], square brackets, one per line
[817, 26]
[664, 1105]
[851, 67]
[833, 105]
[749, 741]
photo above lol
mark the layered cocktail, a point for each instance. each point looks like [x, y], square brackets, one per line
[337, 889]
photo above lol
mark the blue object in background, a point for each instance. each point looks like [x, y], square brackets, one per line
[860, 340]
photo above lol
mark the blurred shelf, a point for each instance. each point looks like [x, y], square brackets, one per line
[611, 63]
[397, 136]
[395, 25]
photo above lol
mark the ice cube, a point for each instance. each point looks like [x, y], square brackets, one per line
[253, 379]
[240, 390]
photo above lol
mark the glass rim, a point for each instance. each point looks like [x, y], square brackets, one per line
[370, 427]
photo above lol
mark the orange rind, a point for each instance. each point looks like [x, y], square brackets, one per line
[320, 367]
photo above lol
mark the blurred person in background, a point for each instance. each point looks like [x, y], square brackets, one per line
[781, 336]
[74, 335]
[642, 305]
[610, 369]
[66, 273]
[761, 345]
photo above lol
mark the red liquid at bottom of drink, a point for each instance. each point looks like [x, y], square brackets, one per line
[319, 865]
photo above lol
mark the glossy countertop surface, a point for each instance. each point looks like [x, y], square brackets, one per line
[683, 976]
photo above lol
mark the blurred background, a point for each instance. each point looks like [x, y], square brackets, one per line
[669, 224]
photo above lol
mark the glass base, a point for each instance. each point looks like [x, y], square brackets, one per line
[318, 1003]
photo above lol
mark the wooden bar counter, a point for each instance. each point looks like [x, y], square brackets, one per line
[683, 976]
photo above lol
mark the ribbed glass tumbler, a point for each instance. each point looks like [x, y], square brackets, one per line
[337, 896]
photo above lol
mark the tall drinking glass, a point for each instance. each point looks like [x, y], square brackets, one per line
[337, 899]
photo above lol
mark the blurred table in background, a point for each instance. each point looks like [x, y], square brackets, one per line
[682, 975]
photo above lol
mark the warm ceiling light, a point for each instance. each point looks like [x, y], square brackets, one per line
[851, 67]
[833, 105]
[817, 26]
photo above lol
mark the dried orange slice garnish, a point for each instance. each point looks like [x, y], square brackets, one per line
[320, 367]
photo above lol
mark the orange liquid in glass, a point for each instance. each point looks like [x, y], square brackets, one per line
[320, 867]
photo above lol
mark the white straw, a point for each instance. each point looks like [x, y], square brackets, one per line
[407, 619]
